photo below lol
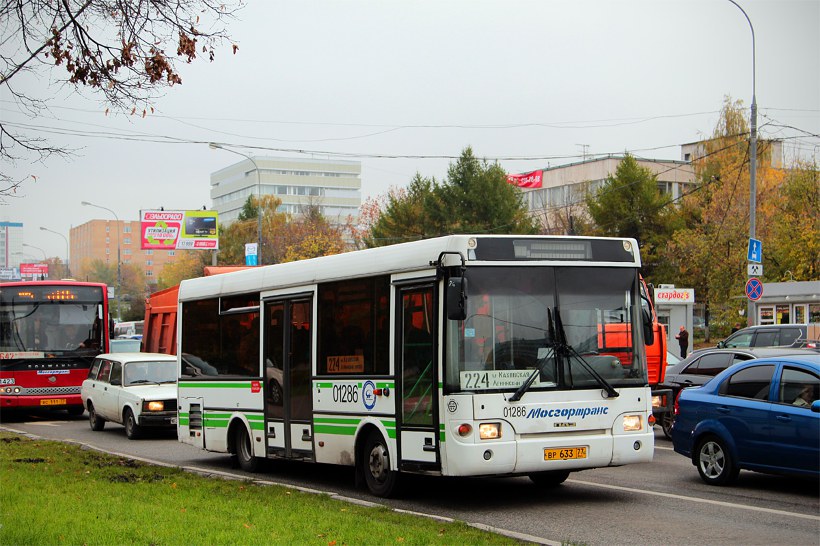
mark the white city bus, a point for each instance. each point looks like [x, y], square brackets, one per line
[459, 356]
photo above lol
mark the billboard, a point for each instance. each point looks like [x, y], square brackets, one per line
[34, 270]
[179, 230]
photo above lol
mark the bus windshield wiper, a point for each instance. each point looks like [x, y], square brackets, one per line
[569, 351]
[539, 365]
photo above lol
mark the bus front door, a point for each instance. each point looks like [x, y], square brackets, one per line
[288, 400]
[418, 400]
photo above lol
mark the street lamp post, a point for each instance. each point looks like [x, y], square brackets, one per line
[119, 270]
[67, 266]
[753, 155]
[215, 146]
[36, 248]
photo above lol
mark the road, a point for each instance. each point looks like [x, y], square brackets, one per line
[663, 502]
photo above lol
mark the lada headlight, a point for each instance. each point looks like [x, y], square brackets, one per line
[155, 405]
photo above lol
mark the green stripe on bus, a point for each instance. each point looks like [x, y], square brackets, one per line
[334, 429]
[384, 385]
[336, 421]
[324, 385]
[183, 421]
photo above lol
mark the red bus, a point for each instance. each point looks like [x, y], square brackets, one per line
[50, 332]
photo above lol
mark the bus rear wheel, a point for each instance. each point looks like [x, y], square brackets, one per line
[549, 479]
[375, 465]
[244, 450]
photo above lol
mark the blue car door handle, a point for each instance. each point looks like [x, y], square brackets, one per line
[722, 409]
[784, 418]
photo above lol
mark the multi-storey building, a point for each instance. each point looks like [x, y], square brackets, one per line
[101, 239]
[566, 185]
[11, 249]
[333, 185]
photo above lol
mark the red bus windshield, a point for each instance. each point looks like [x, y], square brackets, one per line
[42, 320]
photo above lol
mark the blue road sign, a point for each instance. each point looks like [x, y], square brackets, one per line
[754, 289]
[755, 251]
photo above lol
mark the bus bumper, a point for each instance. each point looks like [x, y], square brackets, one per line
[58, 401]
[548, 452]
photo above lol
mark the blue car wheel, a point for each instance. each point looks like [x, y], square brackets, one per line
[714, 462]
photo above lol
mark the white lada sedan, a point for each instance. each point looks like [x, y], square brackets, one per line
[137, 390]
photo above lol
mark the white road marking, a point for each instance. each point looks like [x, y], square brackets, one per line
[695, 499]
[45, 423]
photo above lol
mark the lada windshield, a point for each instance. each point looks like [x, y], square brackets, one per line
[517, 317]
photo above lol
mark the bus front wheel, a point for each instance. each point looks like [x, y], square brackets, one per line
[375, 465]
[244, 450]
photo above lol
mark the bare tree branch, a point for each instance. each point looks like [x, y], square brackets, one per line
[120, 49]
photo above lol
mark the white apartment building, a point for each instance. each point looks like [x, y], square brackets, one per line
[333, 185]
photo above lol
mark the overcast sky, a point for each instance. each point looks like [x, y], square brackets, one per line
[542, 80]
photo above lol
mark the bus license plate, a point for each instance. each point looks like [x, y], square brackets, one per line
[565, 453]
[53, 402]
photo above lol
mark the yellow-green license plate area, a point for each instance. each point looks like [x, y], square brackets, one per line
[53, 402]
[565, 453]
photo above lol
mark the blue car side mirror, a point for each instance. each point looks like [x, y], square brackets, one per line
[815, 406]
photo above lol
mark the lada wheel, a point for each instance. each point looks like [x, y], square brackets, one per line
[714, 462]
[132, 429]
[96, 422]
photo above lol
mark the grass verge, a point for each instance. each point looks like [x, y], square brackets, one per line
[56, 493]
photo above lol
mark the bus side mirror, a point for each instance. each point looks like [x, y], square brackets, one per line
[456, 298]
[648, 327]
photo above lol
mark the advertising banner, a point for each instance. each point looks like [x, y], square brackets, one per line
[179, 230]
[34, 270]
[527, 180]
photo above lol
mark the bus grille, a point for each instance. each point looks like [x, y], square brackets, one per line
[49, 391]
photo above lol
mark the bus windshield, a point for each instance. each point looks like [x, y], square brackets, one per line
[578, 326]
[51, 320]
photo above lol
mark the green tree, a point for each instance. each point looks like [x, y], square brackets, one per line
[629, 204]
[709, 253]
[404, 216]
[474, 198]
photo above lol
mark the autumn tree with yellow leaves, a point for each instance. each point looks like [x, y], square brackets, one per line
[710, 252]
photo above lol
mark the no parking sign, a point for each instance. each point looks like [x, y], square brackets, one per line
[754, 289]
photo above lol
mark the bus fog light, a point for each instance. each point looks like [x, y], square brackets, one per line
[636, 446]
[632, 423]
[488, 455]
[489, 431]
[464, 430]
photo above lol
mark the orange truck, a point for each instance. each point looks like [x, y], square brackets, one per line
[160, 329]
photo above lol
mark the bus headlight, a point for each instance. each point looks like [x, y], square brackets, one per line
[156, 405]
[489, 431]
[632, 423]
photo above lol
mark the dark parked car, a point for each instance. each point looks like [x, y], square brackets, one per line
[702, 365]
[773, 335]
[761, 415]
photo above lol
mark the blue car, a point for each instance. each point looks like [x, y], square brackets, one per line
[761, 415]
